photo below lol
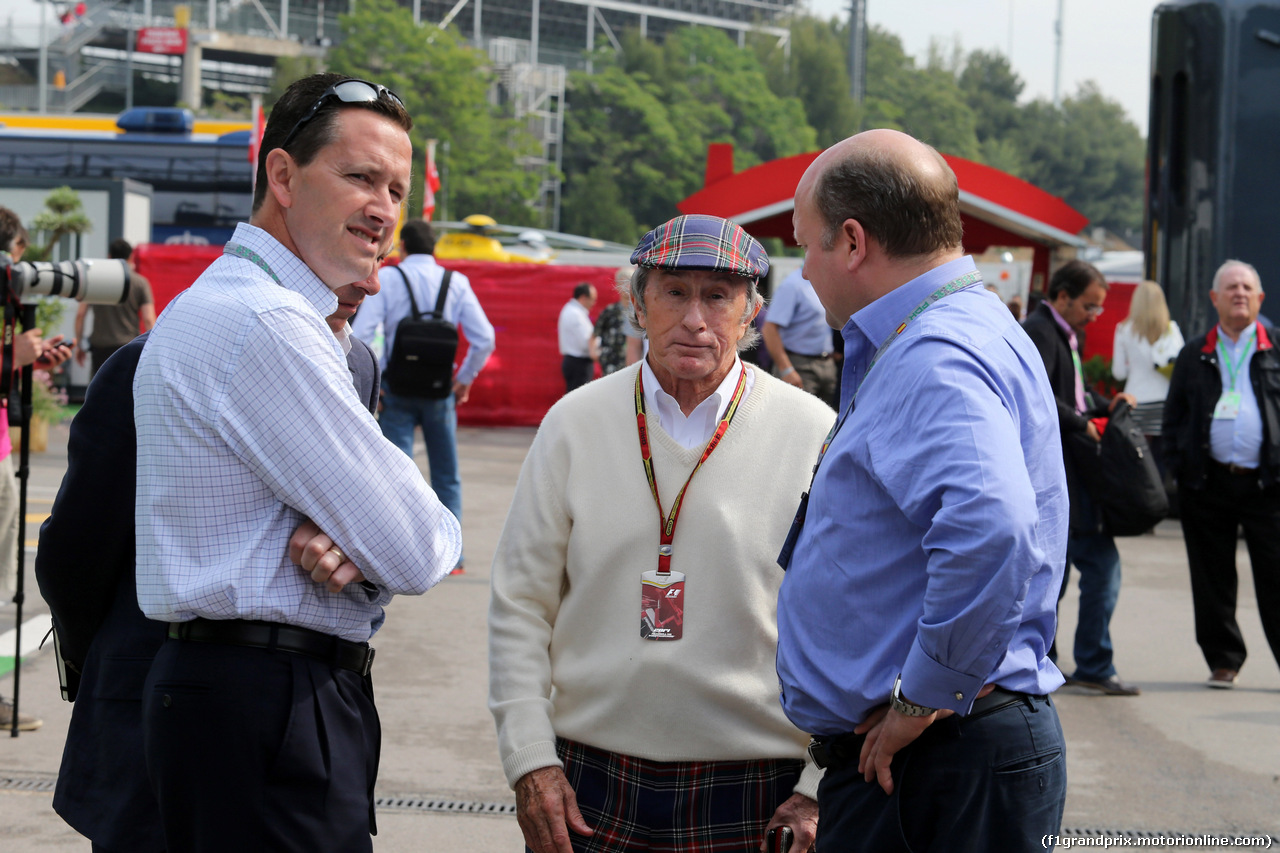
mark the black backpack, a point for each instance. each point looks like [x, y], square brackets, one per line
[421, 361]
[1120, 475]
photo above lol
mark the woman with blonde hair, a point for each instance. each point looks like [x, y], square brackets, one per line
[1146, 344]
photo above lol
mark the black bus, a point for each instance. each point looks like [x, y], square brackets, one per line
[1213, 171]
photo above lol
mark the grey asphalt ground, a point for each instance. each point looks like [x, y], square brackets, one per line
[1180, 758]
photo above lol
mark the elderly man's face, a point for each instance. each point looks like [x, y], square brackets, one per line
[344, 204]
[1238, 299]
[694, 320]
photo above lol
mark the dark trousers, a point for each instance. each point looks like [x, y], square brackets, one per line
[577, 371]
[1210, 519]
[819, 375]
[256, 750]
[967, 785]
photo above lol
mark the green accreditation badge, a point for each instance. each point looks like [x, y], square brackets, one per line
[1228, 408]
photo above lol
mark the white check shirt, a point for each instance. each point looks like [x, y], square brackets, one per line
[247, 423]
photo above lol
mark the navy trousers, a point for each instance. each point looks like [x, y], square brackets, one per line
[250, 749]
[968, 785]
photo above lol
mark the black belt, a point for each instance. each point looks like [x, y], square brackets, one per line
[839, 750]
[818, 357]
[1238, 470]
[344, 654]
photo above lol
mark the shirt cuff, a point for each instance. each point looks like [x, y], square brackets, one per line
[535, 756]
[929, 683]
[807, 785]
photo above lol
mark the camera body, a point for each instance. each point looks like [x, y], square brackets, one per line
[98, 281]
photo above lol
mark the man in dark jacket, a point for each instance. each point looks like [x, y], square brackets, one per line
[1076, 293]
[1222, 422]
[85, 568]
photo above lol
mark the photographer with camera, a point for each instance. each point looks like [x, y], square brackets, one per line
[116, 325]
[28, 348]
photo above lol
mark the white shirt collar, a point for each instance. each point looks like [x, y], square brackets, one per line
[697, 429]
[344, 338]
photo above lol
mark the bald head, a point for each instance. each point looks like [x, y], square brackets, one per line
[900, 190]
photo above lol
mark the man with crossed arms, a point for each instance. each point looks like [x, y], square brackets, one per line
[260, 726]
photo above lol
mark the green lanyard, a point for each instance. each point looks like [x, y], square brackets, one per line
[236, 250]
[954, 286]
[1233, 370]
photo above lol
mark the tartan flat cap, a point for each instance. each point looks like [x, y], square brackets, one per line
[699, 242]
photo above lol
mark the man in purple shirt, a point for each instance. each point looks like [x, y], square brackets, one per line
[924, 566]
[1077, 291]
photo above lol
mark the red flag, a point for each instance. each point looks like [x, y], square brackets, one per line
[255, 135]
[431, 183]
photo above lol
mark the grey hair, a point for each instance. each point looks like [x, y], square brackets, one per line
[640, 280]
[1222, 270]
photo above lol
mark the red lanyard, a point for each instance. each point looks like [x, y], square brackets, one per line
[667, 523]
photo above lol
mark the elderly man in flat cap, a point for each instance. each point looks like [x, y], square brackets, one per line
[632, 625]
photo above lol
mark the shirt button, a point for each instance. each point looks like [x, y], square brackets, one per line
[959, 695]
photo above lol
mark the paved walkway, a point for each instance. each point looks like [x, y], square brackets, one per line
[1178, 759]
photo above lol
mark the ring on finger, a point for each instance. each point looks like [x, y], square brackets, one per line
[342, 558]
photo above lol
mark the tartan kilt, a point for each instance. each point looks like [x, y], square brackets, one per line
[635, 804]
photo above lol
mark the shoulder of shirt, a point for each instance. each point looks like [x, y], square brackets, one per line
[970, 322]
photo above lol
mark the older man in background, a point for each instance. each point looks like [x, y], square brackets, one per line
[1222, 423]
[669, 479]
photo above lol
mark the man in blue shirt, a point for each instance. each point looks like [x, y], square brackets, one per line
[1223, 447]
[919, 603]
[799, 340]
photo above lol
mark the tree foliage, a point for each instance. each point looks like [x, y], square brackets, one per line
[1089, 153]
[636, 131]
[643, 122]
[445, 85]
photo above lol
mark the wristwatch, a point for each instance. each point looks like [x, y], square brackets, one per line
[904, 707]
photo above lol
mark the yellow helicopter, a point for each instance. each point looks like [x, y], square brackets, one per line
[481, 238]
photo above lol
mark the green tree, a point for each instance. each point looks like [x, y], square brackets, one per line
[622, 143]
[644, 121]
[445, 85]
[1090, 154]
[924, 102]
[813, 69]
[992, 88]
[63, 215]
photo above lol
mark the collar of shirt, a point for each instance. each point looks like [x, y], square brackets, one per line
[1237, 440]
[1065, 326]
[868, 329]
[695, 430]
[292, 271]
[419, 259]
[344, 338]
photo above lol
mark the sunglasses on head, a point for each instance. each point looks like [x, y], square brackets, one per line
[348, 92]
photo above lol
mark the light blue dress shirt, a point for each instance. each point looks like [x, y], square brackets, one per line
[800, 317]
[461, 308]
[1238, 440]
[936, 532]
[247, 424]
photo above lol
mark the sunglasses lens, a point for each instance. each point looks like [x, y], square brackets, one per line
[358, 91]
[349, 92]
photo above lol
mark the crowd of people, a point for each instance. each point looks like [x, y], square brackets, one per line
[690, 647]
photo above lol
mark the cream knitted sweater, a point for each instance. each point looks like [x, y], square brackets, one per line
[565, 653]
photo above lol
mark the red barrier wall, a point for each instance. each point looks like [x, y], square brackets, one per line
[523, 301]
